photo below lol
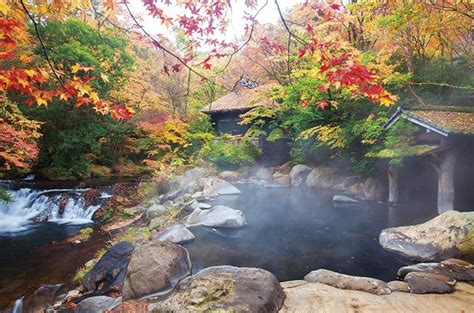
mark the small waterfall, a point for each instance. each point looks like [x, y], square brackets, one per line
[54, 205]
[18, 307]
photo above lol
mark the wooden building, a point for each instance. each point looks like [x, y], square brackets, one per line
[225, 115]
[446, 133]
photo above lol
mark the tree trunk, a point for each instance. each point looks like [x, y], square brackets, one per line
[446, 182]
[392, 185]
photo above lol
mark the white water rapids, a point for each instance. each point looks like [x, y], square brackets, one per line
[28, 205]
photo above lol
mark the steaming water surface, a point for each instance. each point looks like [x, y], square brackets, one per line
[292, 231]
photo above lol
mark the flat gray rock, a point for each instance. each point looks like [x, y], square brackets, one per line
[176, 234]
[217, 216]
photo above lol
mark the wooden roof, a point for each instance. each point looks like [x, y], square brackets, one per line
[443, 120]
[242, 99]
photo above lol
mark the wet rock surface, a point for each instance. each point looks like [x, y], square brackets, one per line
[452, 268]
[264, 174]
[43, 297]
[96, 304]
[155, 267]
[429, 283]
[176, 234]
[217, 216]
[109, 272]
[225, 289]
[131, 306]
[342, 281]
[449, 235]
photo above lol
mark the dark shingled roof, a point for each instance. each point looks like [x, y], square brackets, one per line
[444, 120]
[242, 99]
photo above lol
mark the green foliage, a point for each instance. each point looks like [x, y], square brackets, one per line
[399, 142]
[5, 196]
[73, 41]
[230, 155]
[73, 138]
[85, 233]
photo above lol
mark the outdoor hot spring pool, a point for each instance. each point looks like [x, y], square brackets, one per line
[292, 231]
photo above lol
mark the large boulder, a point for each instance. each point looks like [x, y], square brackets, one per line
[298, 174]
[324, 177]
[97, 304]
[343, 281]
[264, 174]
[225, 289]
[429, 283]
[176, 234]
[449, 235]
[217, 216]
[185, 183]
[373, 190]
[230, 176]
[452, 268]
[214, 186]
[109, 272]
[313, 297]
[155, 267]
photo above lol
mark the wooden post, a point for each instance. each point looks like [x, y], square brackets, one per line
[446, 181]
[392, 184]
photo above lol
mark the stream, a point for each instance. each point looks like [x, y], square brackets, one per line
[41, 214]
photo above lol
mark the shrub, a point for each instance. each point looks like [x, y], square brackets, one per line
[230, 155]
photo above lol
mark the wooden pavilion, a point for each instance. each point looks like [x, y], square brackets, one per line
[225, 115]
[445, 133]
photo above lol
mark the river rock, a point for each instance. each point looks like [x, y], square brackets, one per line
[225, 289]
[109, 272]
[217, 216]
[97, 304]
[157, 222]
[155, 267]
[298, 174]
[314, 297]
[285, 168]
[156, 210]
[264, 174]
[43, 297]
[373, 190]
[230, 176]
[449, 235]
[343, 281]
[453, 268]
[429, 283]
[176, 234]
[214, 186]
[131, 306]
[324, 177]
[343, 199]
[283, 180]
[397, 285]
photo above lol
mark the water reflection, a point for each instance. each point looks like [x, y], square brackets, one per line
[292, 231]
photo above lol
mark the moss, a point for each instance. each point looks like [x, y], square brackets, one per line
[99, 170]
[85, 234]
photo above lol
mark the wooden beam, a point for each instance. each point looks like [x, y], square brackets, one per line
[446, 181]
